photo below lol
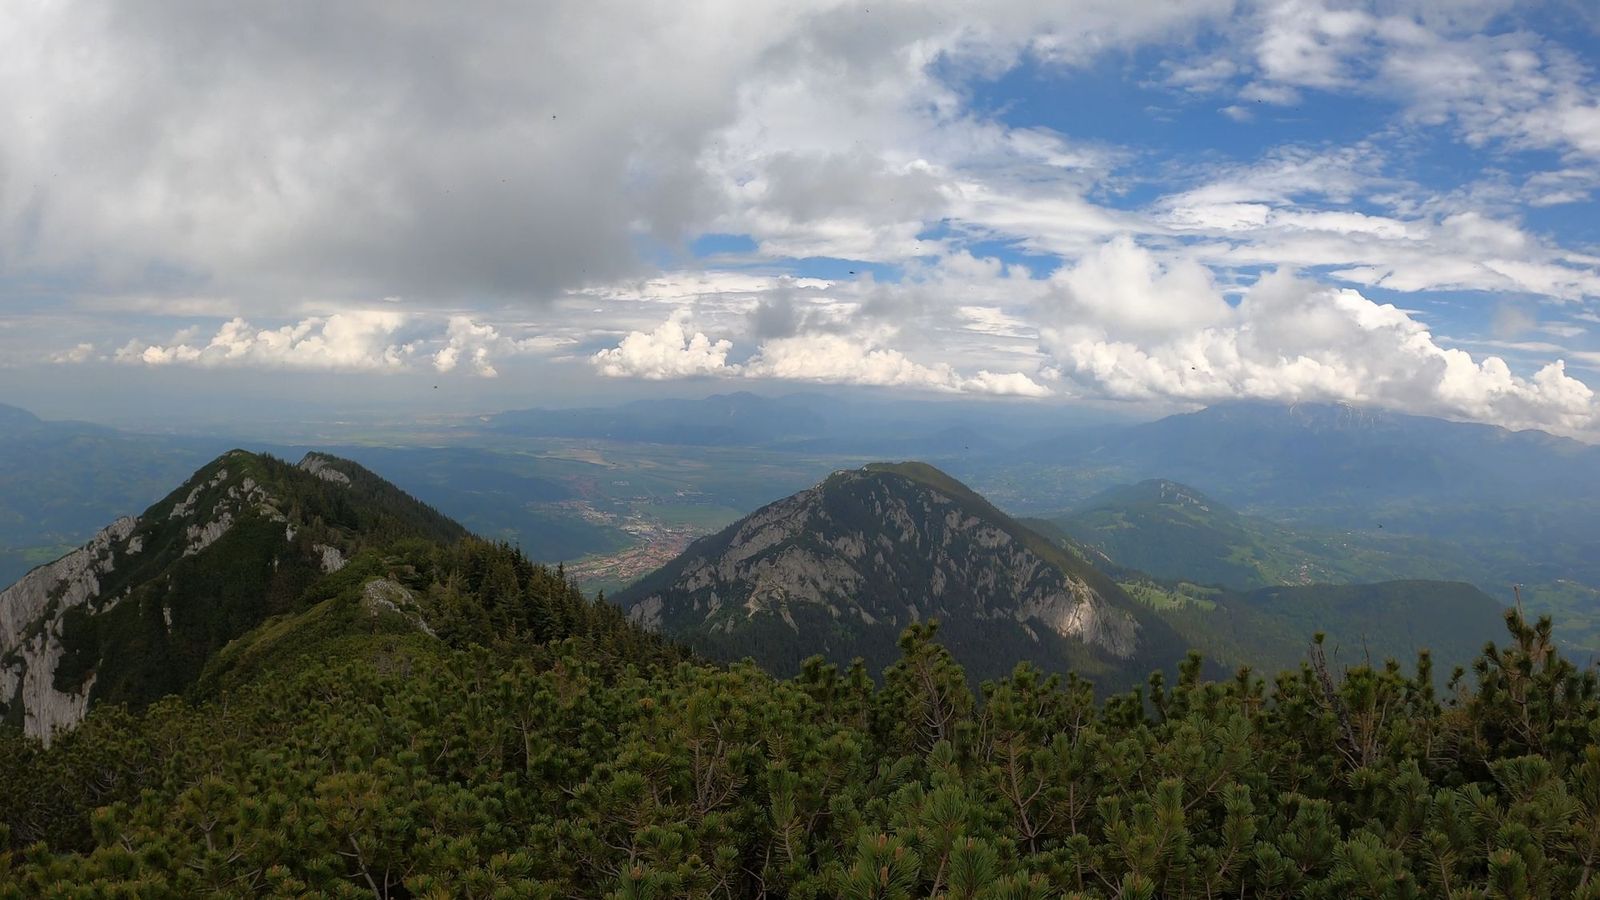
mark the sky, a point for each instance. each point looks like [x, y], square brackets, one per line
[1141, 204]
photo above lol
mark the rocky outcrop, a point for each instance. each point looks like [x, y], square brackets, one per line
[322, 467]
[647, 612]
[205, 534]
[1082, 613]
[332, 559]
[31, 612]
[384, 596]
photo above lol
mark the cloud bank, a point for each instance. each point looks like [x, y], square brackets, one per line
[671, 350]
[1126, 327]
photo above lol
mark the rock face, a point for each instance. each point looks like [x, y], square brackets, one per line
[135, 612]
[844, 566]
[381, 595]
[30, 628]
[322, 467]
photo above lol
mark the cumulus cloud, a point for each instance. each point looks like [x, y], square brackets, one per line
[343, 341]
[843, 359]
[675, 349]
[478, 342]
[366, 340]
[1288, 339]
[670, 350]
[470, 338]
[77, 354]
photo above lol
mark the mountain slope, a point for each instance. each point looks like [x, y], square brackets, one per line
[1170, 530]
[138, 611]
[1270, 629]
[1173, 531]
[841, 568]
[1341, 455]
[1245, 591]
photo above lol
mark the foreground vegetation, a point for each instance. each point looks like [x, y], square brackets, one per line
[539, 746]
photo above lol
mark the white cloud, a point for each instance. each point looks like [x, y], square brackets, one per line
[343, 341]
[1284, 211]
[488, 149]
[1202, 76]
[994, 320]
[1016, 384]
[1438, 61]
[676, 349]
[1306, 43]
[842, 359]
[352, 341]
[668, 351]
[76, 354]
[480, 341]
[1123, 290]
[1287, 340]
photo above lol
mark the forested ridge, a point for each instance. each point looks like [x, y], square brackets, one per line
[539, 746]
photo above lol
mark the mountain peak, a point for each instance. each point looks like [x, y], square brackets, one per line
[134, 613]
[840, 568]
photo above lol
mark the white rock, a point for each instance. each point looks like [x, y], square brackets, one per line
[332, 559]
[320, 467]
[186, 506]
[382, 595]
[202, 536]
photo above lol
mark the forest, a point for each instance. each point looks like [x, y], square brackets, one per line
[540, 746]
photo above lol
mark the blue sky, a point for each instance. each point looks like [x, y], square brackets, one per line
[1134, 204]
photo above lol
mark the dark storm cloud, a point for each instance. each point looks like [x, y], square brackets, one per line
[369, 147]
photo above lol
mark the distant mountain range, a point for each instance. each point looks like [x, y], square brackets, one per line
[1333, 462]
[151, 604]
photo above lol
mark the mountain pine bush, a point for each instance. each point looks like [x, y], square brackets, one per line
[540, 746]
